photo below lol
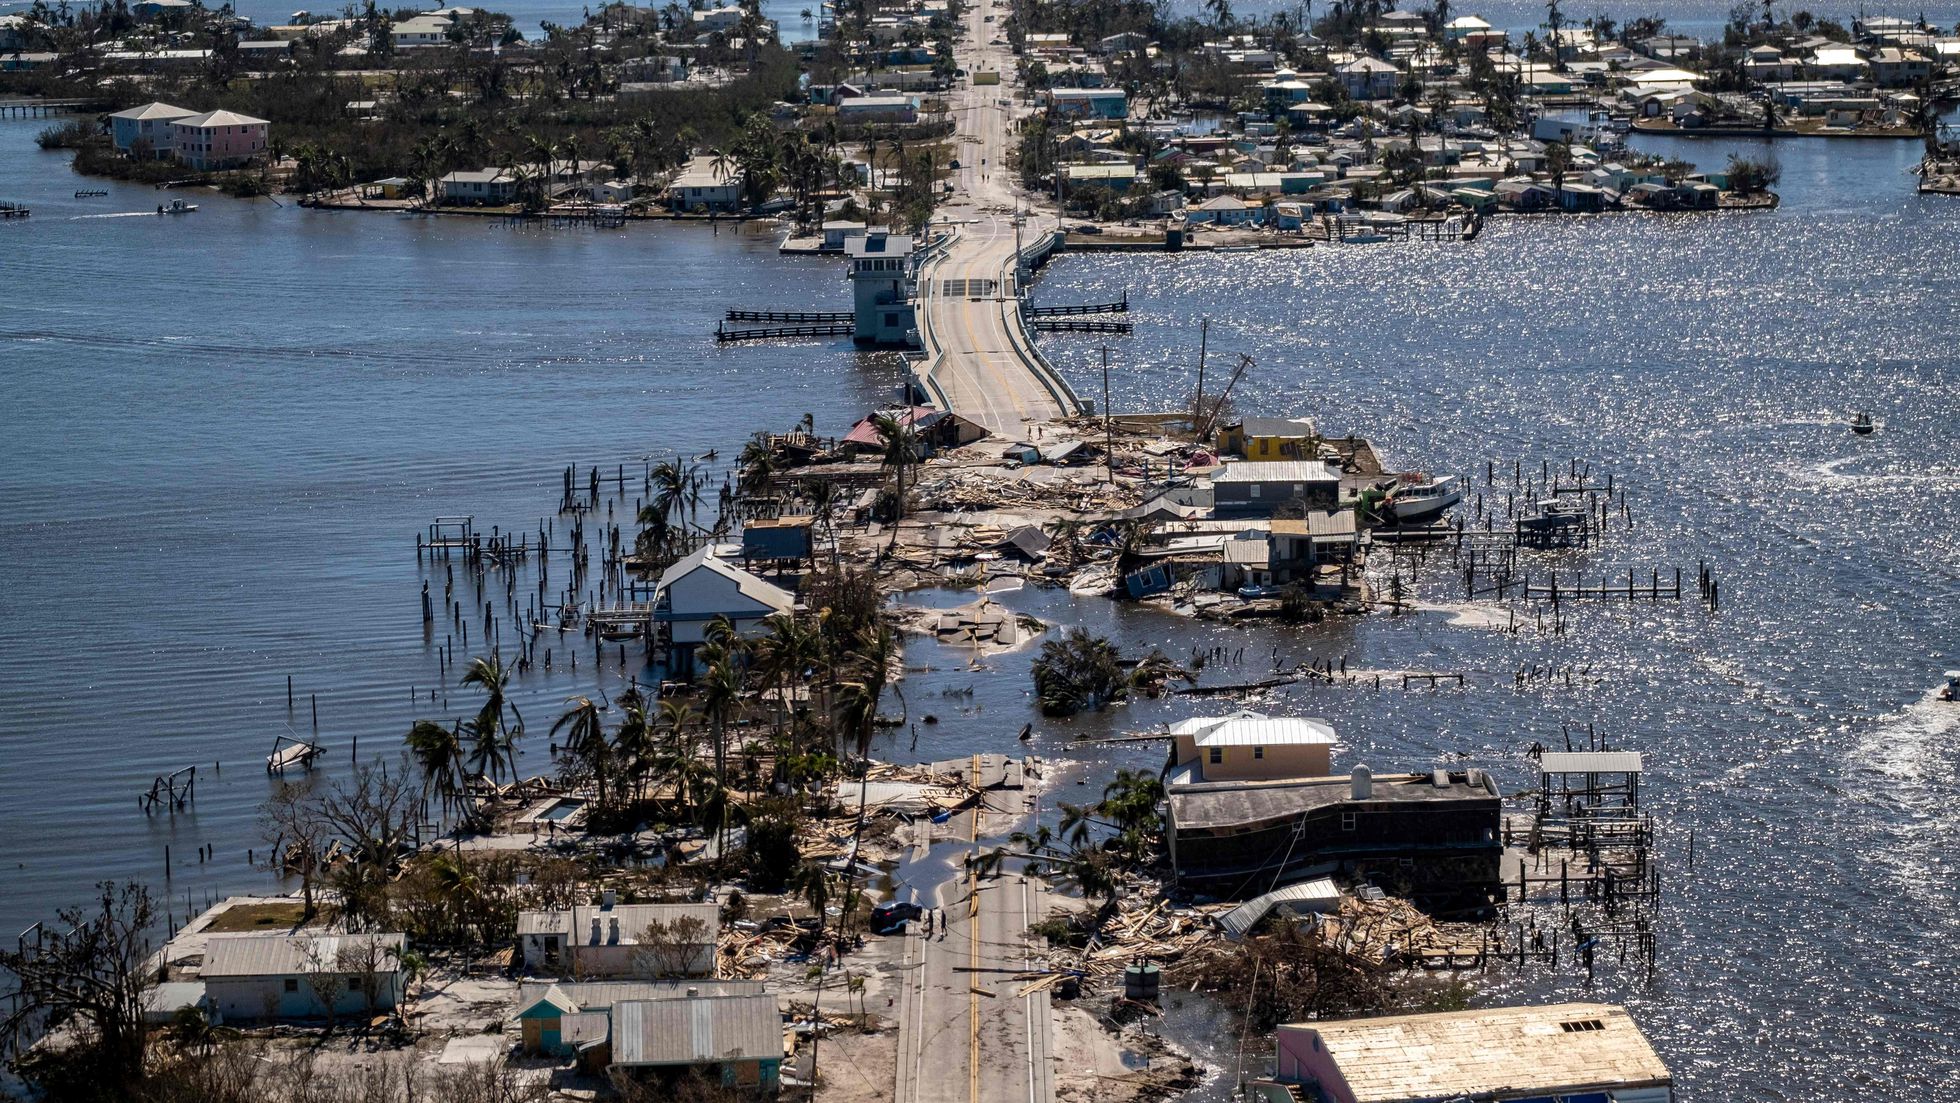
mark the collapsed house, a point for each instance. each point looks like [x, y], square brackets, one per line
[1435, 837]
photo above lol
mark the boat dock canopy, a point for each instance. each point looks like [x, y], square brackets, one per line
[1590, 762]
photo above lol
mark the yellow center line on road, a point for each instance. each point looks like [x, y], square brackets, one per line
[973, 953]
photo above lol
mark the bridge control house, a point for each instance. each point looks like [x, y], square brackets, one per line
[881, 283]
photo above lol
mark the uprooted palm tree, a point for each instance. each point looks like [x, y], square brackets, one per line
[1078, 672]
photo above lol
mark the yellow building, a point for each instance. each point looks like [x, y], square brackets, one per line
[1269, 438]
[1250, 746]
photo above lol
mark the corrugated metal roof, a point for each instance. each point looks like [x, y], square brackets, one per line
[584, 1026]
[1276, 471]
[1249, 550]
[1510, 1051]
[1318, 523]
[1590, 762]
[692, 1032]
[278, 955]
[576, 923]
[1253, 729]
[599, 995]
[1320, 894]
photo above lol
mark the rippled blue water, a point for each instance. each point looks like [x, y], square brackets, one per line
[224, 430]
[1709, 362]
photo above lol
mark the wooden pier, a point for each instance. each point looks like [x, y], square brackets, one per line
[1120, 306]
[797, 317]
[41, 109]
[1076, 325]
[724, 334]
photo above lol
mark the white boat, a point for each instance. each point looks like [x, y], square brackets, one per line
[1363, 238]
[1418, 499]
[177, 206]
[1951, 690]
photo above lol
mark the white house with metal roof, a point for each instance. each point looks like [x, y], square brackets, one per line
[706, 184]
[702, 587]
[277, 976]
[1251, 746]
[620, 940]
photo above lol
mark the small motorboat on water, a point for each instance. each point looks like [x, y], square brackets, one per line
[1950, 692]
[176, 206]
[1861, 423]
[1417, 499]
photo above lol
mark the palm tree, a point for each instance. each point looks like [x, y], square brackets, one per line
[439, 751]
[721, 691]
[901, 447]
[493, 678]
[1077, 819]
[869, 675]
[783, 656]
[538, 152]
[670, 479]
[456, 886]
[585, 740]
[633, 743]
[490, 750]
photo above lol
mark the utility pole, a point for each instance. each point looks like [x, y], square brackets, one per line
[1109, 427]
[1198, 407]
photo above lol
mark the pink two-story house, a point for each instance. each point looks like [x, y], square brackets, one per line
[218, 139]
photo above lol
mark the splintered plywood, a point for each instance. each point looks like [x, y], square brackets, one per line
[1563, 1046]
